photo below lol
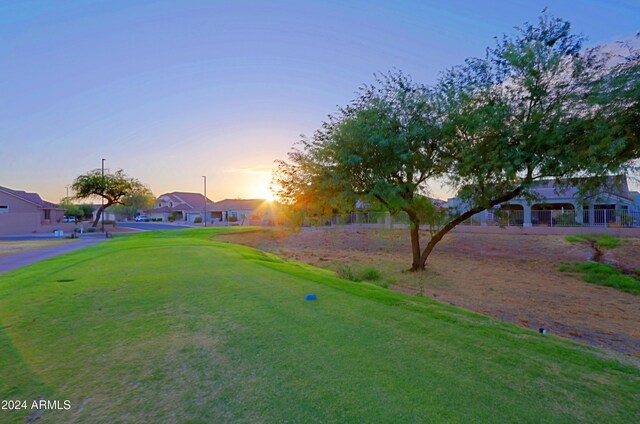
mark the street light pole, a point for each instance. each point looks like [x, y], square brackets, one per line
[102, 197]
[205, 200]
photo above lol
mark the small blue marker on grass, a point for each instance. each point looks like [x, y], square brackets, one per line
[310, 297]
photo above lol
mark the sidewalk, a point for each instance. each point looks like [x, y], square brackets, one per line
[16, 260]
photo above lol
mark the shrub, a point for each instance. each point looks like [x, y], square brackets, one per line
[198, 220]
[367, 274]
[91, 229]
[566, 219]
[171, 219]
[370, 274]
[347, 273]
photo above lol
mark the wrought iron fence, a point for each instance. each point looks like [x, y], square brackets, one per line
[559, 218]
[495, 217]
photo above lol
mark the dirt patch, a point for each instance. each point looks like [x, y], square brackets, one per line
[507, 276]
[10, 247]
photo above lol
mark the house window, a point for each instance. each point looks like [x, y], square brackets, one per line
[171, 204]
[4, 209]
[159, 205]
[47, 214]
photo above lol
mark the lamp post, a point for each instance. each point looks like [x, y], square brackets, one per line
[102, 197]
[205, 200]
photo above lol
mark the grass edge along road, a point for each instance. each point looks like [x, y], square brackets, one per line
[175, 327]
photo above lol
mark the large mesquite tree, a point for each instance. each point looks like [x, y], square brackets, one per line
[115, 188]
[384, 146]
[537, 106]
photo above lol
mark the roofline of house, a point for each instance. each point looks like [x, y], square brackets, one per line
[39, 205]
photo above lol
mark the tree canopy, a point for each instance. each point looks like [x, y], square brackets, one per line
[537, 106]
[115, 188]
[132, 204]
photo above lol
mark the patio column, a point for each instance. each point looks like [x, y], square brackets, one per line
[527, 215]
[592, 218]
[483, 218]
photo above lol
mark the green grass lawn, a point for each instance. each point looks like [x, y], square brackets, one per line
[604, 275]
[173, 327]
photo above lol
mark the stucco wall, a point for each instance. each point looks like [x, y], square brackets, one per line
[16, 205]
[19, 223]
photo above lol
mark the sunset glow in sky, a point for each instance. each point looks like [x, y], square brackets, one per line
[170, 91]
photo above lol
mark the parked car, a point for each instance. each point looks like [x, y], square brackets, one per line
[142, 218]
[69, 219]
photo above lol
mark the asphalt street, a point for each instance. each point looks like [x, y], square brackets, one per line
[17, 260]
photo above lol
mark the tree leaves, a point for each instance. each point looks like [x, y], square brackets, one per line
[536, 107]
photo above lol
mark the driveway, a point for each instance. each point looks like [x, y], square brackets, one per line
[17, 260]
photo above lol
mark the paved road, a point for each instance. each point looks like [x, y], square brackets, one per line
[16, 260]
[150, 226]
[47, 236]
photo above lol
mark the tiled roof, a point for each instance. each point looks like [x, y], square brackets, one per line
[31, 198]
[195, 201]
[615, 185]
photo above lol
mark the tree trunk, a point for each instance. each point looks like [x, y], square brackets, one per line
[452, 224]
[417, 264]
[99, 213]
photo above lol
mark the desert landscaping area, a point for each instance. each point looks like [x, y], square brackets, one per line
[516, 278]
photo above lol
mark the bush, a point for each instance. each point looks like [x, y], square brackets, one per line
[566, 219]
[197, 220]
[91, 229]
[370, 274]
[367, 274]
[171, 219]
[347, 273]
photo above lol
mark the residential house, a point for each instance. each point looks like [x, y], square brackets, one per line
[22, 212]
[240, 210]
[562, 204]
[182, 206]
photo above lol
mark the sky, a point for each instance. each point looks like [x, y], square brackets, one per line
[171, 91]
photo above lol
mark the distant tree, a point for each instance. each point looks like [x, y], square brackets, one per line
[536, 107]
[87, 210]
[72, 210]
[132, 204]
[115, 188]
